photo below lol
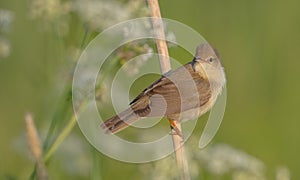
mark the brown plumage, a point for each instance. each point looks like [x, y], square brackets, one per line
[189, 91]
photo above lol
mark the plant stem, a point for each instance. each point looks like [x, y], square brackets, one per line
[65, 132]
[165, 66]
[95, 175]
[158, 29]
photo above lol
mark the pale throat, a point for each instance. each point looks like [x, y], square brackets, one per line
[215, 76]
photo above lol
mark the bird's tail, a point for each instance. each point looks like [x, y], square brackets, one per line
[120, 121]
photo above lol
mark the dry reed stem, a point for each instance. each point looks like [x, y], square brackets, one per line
[165, 66]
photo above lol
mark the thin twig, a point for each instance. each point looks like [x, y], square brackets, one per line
[165, 66]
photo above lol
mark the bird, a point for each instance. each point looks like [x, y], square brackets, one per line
[183, 94]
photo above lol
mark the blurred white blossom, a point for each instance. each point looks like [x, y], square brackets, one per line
[99, 14]
[6, 18]
[5, 47]
[218, 160]
[51, 12]
[283, 173]
[94, 14]
[221, 158]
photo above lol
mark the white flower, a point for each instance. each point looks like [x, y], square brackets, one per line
[51, 12]
[100, 14]
[222, 158]
[4, 47]
[6, 18]
[283, 173]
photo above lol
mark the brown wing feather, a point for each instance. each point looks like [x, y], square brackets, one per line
[173, 94]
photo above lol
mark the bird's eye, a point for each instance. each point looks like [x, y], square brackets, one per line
[210, 59]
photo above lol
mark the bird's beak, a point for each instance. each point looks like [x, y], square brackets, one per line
[200, 60]
[197, 58]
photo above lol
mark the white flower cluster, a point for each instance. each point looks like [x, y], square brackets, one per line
[217, 161]
[52, 13]
[6, 18]
[99, 14]
[95, 14]
[220, 159]
[49, 10]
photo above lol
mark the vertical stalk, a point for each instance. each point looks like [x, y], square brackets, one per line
[165, 66]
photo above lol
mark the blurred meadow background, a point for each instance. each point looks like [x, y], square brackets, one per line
[259, 41]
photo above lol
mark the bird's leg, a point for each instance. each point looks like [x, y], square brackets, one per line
[175, 128]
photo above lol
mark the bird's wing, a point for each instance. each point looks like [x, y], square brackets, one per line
[180, 90]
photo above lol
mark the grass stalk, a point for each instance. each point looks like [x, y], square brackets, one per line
[65, 132]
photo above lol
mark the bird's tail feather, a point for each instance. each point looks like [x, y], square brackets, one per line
[120, 121]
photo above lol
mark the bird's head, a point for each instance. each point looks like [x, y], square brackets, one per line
[207, 63]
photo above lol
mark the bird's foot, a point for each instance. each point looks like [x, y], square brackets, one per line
[174, 128]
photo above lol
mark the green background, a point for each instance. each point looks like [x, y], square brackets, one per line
[259, 42]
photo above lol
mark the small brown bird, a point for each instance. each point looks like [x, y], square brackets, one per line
[186, 93]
